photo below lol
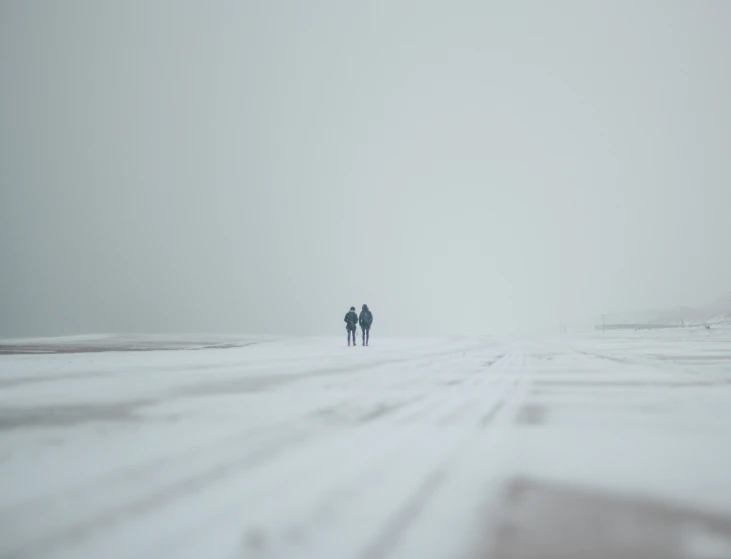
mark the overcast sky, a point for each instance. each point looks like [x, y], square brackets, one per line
[259, 167]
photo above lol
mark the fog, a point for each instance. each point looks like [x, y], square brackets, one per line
[259, 167]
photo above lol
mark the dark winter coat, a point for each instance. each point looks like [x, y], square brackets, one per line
[351, 320]
[365, 319]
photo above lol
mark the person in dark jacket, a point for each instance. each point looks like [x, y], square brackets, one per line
[365, 319]
[351, 321]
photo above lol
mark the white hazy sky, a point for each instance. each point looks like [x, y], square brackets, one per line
[259, 167]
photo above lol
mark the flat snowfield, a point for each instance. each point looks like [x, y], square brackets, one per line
[563, 448]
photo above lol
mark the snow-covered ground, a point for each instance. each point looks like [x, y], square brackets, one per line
[566, 447]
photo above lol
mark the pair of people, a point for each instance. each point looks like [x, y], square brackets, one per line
[365, 320]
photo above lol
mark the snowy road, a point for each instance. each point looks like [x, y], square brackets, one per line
[570, 448]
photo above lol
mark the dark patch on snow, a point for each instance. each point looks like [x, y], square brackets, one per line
[380, 411]
[452, 382]
[546, 521]
[70, 415]
[491, 414]
[96, 347]
[699, 358]
[31, 379]
[620, 383]
[254, 540]
[493, 361]
[532, 414]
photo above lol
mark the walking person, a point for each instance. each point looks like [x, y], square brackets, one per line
[351, 321]
[365, 319]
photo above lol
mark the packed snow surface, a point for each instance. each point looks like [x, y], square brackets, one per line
[594, 446]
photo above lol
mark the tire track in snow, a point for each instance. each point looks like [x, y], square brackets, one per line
[400, 521]
[133, 473]
[408, 514]
[78, 530]
[100, 521]
[370, 470]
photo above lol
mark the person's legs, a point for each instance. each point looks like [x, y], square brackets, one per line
[368, 336]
